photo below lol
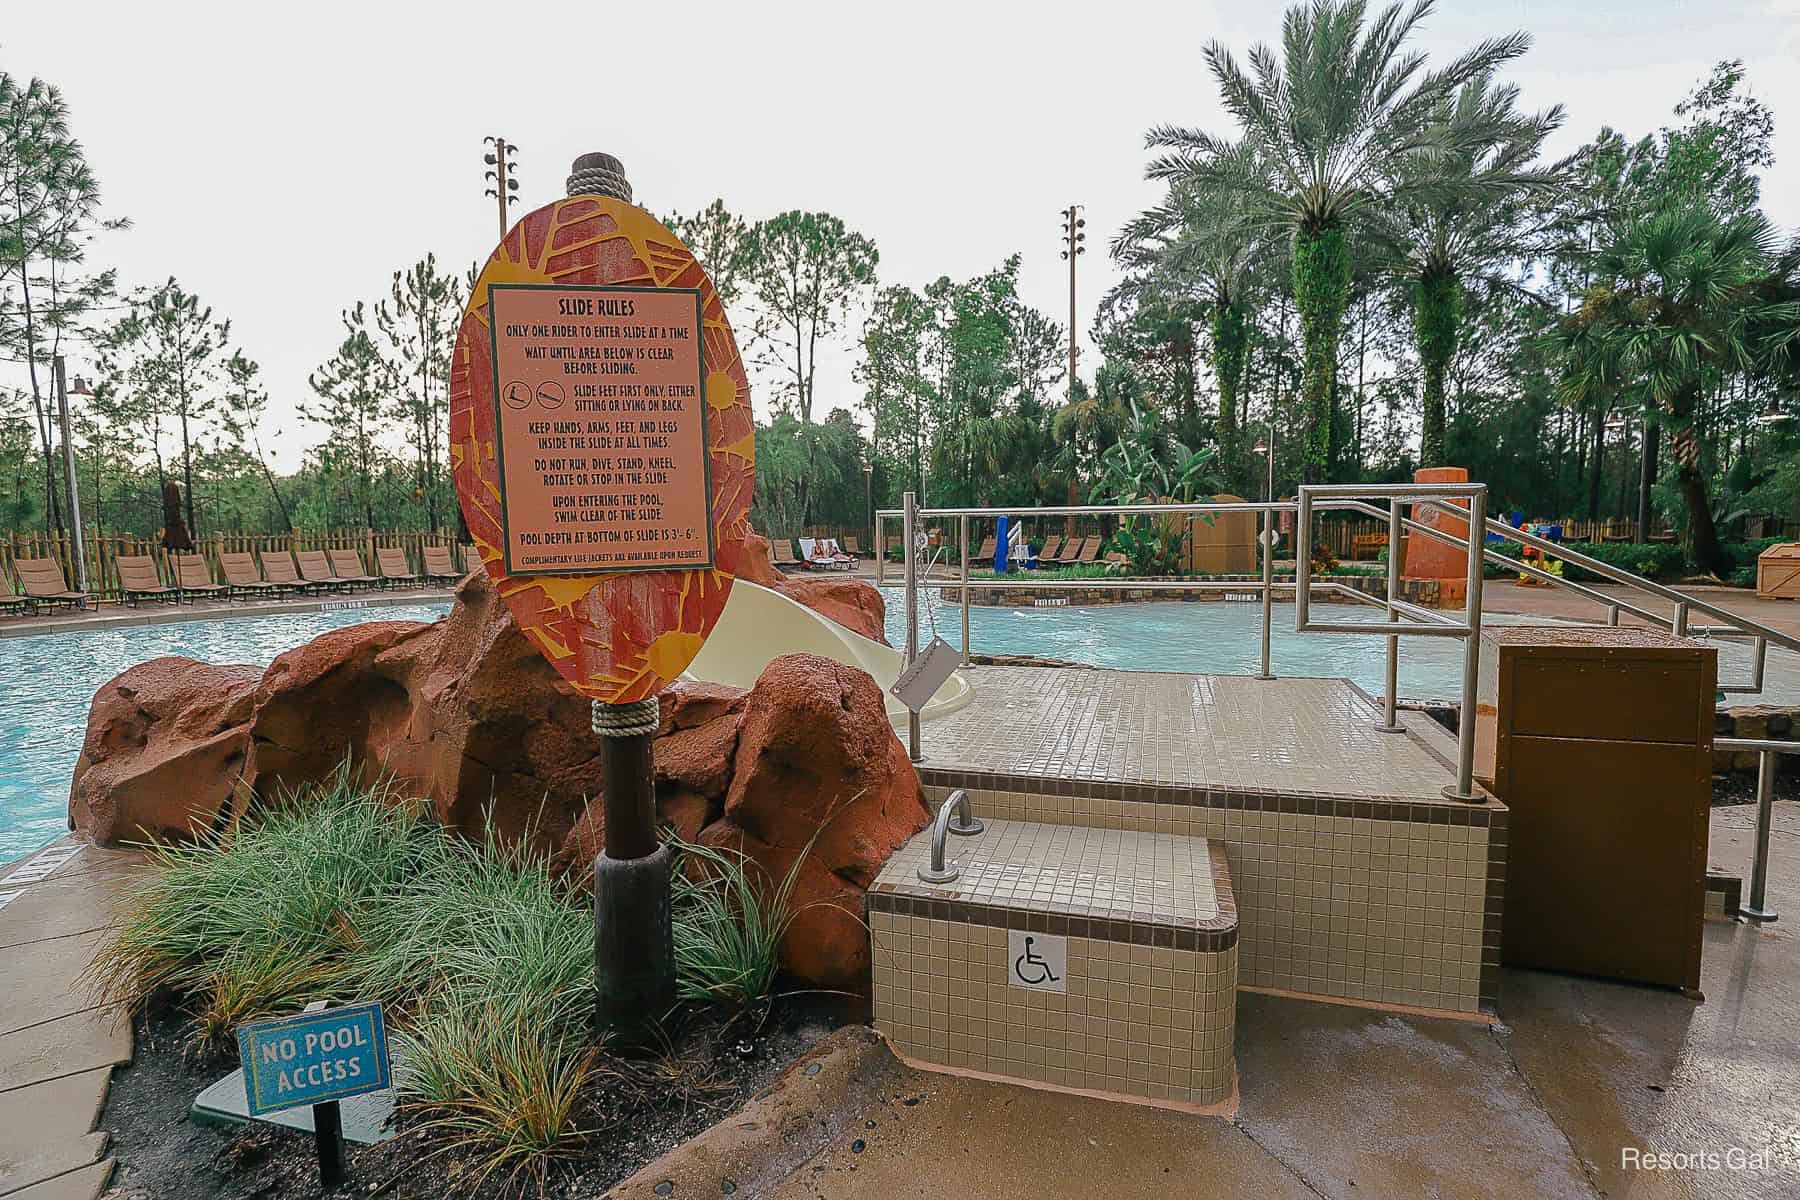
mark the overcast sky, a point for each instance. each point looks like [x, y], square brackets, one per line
[284, 160]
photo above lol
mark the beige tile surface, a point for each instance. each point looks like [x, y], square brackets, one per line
[1139, 1021]
[1116, 873]
[1378, 910]
[1290, 735]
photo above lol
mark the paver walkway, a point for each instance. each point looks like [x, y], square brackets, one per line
[57, 1047]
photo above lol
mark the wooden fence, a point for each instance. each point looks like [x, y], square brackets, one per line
[102, 551]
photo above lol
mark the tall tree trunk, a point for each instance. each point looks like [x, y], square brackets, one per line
[1703, 538]
[1595, 479]
[1230, 342]
[1436, 299]
[1647, 477]
[1321, 281]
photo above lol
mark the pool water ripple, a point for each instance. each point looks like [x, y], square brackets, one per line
[48, 682]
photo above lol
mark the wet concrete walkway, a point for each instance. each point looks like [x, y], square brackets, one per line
[57, 1047]
[1552, 1099]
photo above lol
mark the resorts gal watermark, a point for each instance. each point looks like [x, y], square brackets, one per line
[1732, 1158]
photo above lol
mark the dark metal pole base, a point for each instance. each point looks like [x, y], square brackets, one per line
[634, 946]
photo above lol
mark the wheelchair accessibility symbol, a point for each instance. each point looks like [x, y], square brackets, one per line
[1036, 961]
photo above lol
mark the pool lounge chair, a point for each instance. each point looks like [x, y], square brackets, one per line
[818, 554]
[194, 578]
[986, 553]
[244, 578]
[278, 569]
[781, 553]
[395, 570]
[1071, 550]
[852, 546]
[45, 586]
[10, 600]
[839, 557]
[1090, 550]
[316, 571]
[347, 565]
[140, 580]
[471, 558]
[438, 567]
[1052, 544]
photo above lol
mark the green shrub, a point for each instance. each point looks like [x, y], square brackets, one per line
[729, 923]
[260, 918]
[1653, 560]
[495, 1080]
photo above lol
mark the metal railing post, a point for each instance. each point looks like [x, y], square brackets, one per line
[1681, 619]
[1465, 723]
[1757, 909]
[963, 550]
[1268, 586]
[880, 549]
[909, 521]
[1391, 707]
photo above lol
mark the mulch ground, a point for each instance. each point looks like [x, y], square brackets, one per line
[636, 1110]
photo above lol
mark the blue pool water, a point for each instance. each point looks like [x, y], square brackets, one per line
[1221, 637]
[47, 682]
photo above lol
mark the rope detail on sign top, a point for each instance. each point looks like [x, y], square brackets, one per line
[599, 175]
[626, 720]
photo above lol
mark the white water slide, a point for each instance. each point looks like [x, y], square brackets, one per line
[759, 625]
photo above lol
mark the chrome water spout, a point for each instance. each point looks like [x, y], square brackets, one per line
[947, 822]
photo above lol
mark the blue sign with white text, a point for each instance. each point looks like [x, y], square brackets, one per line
[314, 1057]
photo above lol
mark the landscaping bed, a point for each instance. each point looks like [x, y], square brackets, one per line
[637, 1110]
[483, 960]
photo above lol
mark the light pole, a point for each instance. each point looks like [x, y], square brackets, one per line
[500, 172]
[1073, 237]
[868, 467]
[77, 552]
[1267, 447]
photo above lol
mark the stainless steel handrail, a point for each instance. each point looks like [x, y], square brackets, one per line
[1417, 621]
[1766, 749]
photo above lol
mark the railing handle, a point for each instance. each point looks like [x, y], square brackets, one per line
[1757, 910]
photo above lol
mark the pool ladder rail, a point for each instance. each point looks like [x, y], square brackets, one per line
[947, 822]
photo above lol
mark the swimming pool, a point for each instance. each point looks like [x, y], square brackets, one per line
[47, 683]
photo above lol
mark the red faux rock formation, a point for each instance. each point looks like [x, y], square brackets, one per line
[819, 772]
[166, 742]
[466, 713]
[852, 603]
[855, 605]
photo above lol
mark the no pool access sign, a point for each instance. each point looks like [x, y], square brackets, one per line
[314, 1057]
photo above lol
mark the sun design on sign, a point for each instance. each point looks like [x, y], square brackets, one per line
[614, 637]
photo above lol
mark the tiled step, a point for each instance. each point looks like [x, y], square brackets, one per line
[1097, 960]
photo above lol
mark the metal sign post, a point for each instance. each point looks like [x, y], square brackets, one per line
[317, 1058]
[602, 447]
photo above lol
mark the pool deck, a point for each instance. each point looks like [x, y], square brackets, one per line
[1129, 733]
[112, 615]
[58, 1047]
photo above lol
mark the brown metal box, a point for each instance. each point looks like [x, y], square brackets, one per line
[1600, 742]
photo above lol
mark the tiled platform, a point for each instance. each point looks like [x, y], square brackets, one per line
[1097, 960]
[1288, 736]
[1356, 879]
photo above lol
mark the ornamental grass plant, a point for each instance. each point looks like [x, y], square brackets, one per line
[348, 891]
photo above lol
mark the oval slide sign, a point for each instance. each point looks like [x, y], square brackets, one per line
[601, 443]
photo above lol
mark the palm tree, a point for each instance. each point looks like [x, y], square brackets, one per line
[1464, 219]
[1207, 249]
[1678, 299]
[1329, 128]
